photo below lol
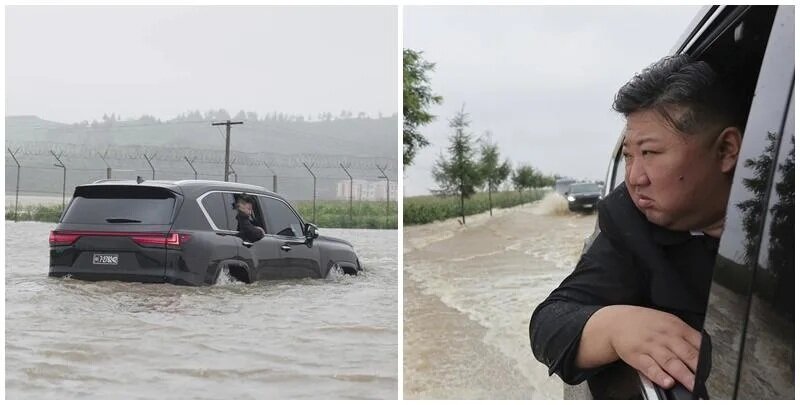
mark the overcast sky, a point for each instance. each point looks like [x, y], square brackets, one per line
[541, 79]
[76, 63]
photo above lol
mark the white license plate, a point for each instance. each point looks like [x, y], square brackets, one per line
[110, 259]
[587, 205]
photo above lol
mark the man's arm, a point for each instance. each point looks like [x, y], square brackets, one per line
[604, 276]
[247, 230]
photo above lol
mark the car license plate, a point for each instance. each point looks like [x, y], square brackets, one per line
[587, 205]
[103, 258]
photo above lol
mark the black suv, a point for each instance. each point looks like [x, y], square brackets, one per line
[583, 196]
[185, 232]
[748, 333]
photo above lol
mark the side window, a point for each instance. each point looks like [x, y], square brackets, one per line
[769, 339]
[214, 205]
[230, 208]
[281, 220]
[737, 267]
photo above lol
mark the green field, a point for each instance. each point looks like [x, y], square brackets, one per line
[427, 209]
[330, 214]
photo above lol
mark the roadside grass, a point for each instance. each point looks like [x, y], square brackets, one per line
[330, 214]
[427, 209]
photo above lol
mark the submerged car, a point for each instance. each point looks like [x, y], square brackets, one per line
[748, 348]
[583, 196]
[185, 232]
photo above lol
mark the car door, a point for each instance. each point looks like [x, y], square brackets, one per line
[300, 257]
[748, 345]
[262, 255]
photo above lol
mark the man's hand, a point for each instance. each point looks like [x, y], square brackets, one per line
[658, 344]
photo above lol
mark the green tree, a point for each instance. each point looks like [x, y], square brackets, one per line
[417, 98]
[460, 174]
[492, 171]
[523, 177]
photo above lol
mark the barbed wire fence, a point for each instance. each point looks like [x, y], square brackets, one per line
[41, 173]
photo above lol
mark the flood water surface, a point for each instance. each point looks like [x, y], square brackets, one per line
[468, 295]
[331, 338]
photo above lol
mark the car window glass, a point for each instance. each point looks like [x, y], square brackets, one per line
[729, 296]
[214, 204]
[230, 207]
[280, 218]
[120, 204]
[769, 339]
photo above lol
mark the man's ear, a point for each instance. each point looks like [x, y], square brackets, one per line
[727, 147]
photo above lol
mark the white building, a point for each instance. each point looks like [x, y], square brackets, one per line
[364, 190]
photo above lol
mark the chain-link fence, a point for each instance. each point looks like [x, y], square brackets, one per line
[332, 191]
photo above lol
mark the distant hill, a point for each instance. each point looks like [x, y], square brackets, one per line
[365, 137]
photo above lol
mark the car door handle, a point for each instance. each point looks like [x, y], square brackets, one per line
[247, 244]
[286, 248]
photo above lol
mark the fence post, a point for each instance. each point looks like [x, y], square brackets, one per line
[351, 192]
[314, 197]
[384, 176]
[16, 193]
[274, 178]
[64, 184]
[108, 166]
[190, 165]
[151, 165]
[235, 175]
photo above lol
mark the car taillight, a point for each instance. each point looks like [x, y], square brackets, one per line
[172, 240]
[62, 239]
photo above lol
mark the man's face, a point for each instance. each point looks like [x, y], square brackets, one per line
[676, 180]
[246, 207]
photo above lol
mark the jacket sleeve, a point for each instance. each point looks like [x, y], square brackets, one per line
[605, 275]
[247, 230]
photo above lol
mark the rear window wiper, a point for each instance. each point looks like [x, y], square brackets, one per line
[122, 220]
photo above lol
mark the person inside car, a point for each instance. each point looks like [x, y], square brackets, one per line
[638, 294]
[246, 223]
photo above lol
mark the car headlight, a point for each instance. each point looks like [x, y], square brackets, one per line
[570, 198]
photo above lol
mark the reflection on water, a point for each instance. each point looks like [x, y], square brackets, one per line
[331, 338]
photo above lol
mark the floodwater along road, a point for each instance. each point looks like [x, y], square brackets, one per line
[331, 338]
[468, 295]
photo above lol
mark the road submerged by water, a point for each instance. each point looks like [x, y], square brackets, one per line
[468, 294]
[306, 339]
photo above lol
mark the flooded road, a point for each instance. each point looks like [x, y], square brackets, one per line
[468, 296]
[332, 338]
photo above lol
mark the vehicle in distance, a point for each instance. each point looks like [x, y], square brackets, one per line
[583, 196]
[185, 232]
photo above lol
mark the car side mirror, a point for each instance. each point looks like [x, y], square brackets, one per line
[311, 231]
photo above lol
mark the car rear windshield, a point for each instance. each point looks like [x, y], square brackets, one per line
[120, 205]
[584, 188]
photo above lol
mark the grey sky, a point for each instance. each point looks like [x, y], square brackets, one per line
[74, 63]
[541, 79]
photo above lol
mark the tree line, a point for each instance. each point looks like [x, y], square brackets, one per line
[469, 166]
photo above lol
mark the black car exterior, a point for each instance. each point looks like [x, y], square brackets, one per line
[583, 196]
[184, 232]
[748, 333]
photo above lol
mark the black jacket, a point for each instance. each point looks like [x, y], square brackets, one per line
[247, 228]
[631, 262]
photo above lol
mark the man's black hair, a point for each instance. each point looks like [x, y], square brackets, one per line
[687, 93]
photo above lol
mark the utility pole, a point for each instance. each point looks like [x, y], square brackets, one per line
[227, 124]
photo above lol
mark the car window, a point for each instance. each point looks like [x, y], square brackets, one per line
[281, 220]
[229, 202]
[214, 205]
[729, 296]
[120, 204]
[769, 339]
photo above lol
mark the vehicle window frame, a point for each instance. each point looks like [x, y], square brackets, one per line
[293, 211]
[772, 75]
[211, 223]
[209, 219]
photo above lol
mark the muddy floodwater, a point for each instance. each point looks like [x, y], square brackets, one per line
[331, 338]
[468, 295]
